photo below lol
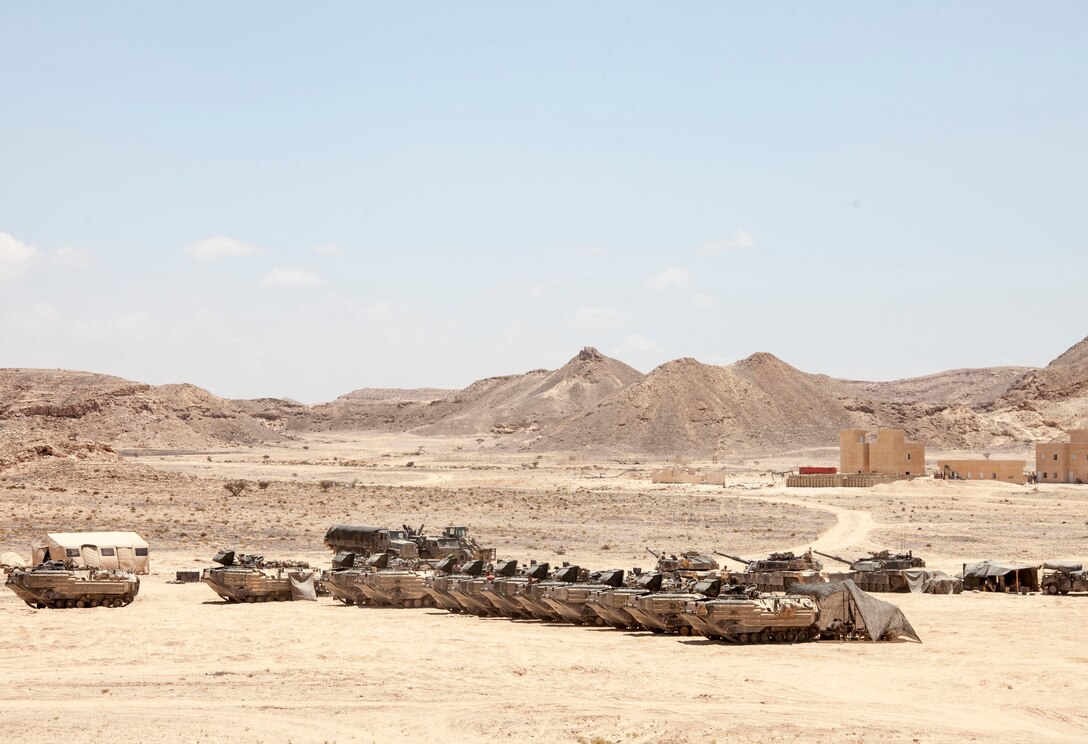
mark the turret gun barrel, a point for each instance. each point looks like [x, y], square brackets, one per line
[655, 555]
[833, 557]
[736, 558]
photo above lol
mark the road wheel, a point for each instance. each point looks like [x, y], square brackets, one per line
[1051, 588]
[80, 603]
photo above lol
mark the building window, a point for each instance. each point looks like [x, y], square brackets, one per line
[995, 476]
[1044, 476]
[908, 455]
[1055, 455]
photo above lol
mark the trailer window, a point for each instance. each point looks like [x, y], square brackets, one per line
[141, 551]
[108, 552]
[72, 552]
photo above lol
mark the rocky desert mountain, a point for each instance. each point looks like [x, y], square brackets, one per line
[967, 386]
[530, 401]
[592, 403]
[686, 406]
[58, 405]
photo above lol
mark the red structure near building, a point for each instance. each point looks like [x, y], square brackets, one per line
[817, 471]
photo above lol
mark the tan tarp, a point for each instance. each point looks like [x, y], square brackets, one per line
[302, 586]
[929, 581]
[12, 560]
[125, 550]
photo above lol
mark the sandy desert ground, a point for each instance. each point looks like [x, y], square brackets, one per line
[180, 665]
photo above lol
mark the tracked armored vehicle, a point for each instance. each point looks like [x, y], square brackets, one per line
[532, 595]
[379, 582]
[778, 571]
[475, 594]
[879, 572]
[249, 578]
[610, 605]
[441, 584]
[742, 616]
[662, 612]
[503, 591]
[571, 601]
[57, 584]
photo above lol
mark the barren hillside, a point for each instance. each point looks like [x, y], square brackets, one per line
[967, 386]
[530, 401]
[37, 404]
[686, 407]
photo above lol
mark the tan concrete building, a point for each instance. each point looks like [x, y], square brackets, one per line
[688, 475]
[1063, 462]
[1006, 471]
[889, 453]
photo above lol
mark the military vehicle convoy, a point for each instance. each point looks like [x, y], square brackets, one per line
[58, 584]
[249, 578]
[503, 591]
[442, 583]
[879, 571]
[1062, 577]
[778, 571]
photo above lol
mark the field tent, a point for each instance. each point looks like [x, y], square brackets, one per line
[843, 604]
[95, 550]
[998, 576]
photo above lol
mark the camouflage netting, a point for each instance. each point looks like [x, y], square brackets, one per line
[841, 603]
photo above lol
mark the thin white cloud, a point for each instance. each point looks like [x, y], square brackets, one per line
[292, 277]
[218, 247]
[328, 249]
[741, 240]
[70, 258]
[636, 347]
[15, 257]
[701, 301]
[671, 278]
[599, 317]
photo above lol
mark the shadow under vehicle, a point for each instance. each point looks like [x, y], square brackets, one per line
[249, 578]
[57, 584]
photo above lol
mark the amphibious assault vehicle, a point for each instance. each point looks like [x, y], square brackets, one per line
[778, 571]
[378, 581]
[571, 601]
[249, 578]
[880, 571]
[440, 585]
[58, 584]
[503, 591]
[531, 596]
[662, 612]
[742, 616]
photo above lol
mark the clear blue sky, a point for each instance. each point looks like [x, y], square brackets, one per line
[273, 199]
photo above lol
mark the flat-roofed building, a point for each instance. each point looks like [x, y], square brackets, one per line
[1063, 462]
[889, 454]
[1006, 471]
